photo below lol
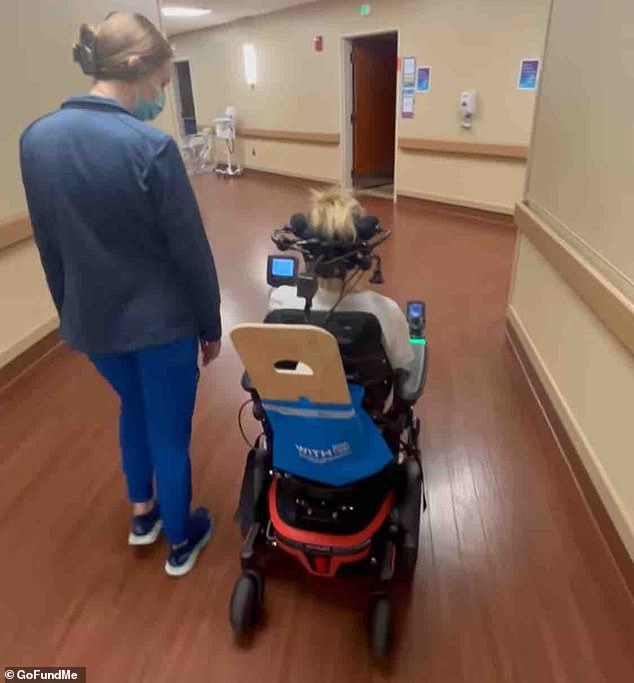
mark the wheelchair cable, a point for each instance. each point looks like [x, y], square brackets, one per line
[356, 276]
[240, 427]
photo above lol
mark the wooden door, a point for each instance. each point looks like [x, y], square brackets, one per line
[374, 106]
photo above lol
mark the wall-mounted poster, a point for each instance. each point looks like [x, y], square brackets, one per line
[423, 80]
[409, 72]
[529, 74]
[407, 103]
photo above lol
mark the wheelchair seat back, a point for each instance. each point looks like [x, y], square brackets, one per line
[360, 342]
[319, 428]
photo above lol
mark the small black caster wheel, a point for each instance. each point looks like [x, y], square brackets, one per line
[380, 626]
[246, 603]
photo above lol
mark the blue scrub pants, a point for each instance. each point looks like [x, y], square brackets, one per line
[157, 388]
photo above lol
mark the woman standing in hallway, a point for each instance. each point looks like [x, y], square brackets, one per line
[129, 266]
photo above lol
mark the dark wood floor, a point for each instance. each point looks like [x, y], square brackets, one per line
[513, 584]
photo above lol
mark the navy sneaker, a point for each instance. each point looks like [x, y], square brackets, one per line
[146, 528]
[182, 557]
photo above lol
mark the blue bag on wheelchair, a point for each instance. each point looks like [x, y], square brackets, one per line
[330, 444]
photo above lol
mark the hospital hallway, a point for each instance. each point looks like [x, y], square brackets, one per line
[514, 582]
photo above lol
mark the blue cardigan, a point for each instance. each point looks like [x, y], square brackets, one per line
[118, 229]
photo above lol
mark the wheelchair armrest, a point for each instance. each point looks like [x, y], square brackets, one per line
[410, 382]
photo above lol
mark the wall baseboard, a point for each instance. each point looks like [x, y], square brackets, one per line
[459, 201]
[260, 170]
[612, 525]
[28, 358]
[459, 210]
[16, 349]
[478, 210]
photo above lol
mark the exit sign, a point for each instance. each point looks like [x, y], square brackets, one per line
[365, 10]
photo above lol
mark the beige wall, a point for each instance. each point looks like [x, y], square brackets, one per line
[581, 185]
[469, 44]
[589, 376]
[586, 114]
[38, 74]
[290, 158]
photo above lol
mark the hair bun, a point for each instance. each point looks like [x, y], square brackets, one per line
[84, 51]
[124, 47]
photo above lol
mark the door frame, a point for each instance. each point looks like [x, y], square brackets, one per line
[346, 102]
[178, 112]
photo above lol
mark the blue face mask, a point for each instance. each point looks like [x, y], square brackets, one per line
[149, 110]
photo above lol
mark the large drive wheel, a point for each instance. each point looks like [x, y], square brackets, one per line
[253, 482]
[410, 514]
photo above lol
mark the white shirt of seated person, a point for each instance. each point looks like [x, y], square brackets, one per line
[391, 319]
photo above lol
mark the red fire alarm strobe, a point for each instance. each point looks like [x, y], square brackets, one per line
[319, 43]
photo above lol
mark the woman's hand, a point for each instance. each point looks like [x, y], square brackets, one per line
[211, 351]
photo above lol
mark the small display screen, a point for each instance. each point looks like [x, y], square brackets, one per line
[283, 267]
[416, 310]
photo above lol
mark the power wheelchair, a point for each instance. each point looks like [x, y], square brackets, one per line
[335, 478]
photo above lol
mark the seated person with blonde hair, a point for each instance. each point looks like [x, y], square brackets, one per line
[334, 213]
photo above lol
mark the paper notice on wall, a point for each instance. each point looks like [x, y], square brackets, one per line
[409, 72]
[529, 74]
[423, 79]
[408, 98]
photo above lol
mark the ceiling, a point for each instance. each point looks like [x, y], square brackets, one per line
[222, 12]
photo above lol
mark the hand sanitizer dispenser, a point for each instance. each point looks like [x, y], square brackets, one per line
[467, 107]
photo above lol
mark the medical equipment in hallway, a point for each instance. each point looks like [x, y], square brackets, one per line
[225, 132]
[198, 152]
